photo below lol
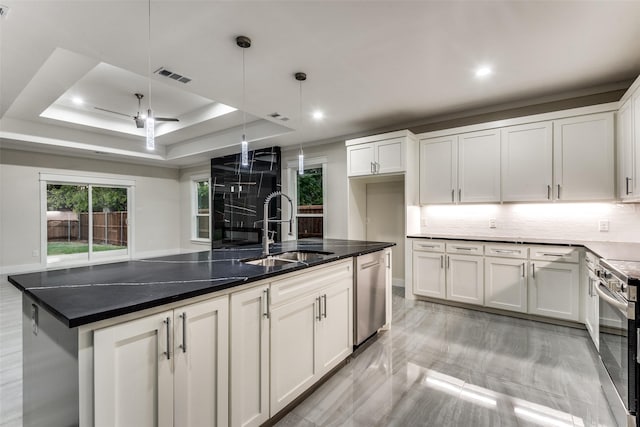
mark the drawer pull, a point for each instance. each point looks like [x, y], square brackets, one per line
[552, 254]
[428, 246]
[505, 251]
[464, 249]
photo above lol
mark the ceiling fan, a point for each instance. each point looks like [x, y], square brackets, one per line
[139, 119]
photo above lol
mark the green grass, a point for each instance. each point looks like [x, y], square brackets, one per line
[65, 248]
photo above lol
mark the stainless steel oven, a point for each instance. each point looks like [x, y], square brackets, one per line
[618, 339]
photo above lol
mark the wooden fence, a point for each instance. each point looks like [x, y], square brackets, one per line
[309, 226]
[108, 228]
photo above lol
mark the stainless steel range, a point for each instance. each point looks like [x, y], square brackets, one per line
[618, 340]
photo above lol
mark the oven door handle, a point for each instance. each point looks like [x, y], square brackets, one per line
[609, 299]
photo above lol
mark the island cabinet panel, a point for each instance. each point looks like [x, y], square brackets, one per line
[249, 356]
[167, 366]
[133, 374]
[201, 360]
[311, 329]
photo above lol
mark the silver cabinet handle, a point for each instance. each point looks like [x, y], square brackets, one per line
[388, 259]
[548, 192]
[628, 179]
[319, 316]
[373, 170]
[167, 322]
[34, 319]
[428, 246]
[453, 192]
[448, 263]
[183, 346]
[460, 248]
[265, 302]
[441, 261]
[533, 271]
[551, 254]
[459, 194]
[505, 251]
[558, 191]
[523, 269]
[324, 313]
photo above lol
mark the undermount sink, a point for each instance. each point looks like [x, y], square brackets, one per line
[287, 258]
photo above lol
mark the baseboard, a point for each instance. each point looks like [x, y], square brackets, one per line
[398, 282]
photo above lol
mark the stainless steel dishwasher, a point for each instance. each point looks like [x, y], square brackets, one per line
[370, 296]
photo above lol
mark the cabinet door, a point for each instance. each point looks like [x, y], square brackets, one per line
[201, 381]
[479, 166]
[527, 155]
[335, 328]
[505, 284]
[438, 170]
[390, 156]
[429, 274]
[592, 312]
[133, 379]
[583, 158]
[465, 279]
[635, 136]
[293, 347]
[360, 159]
[626, 172]
[554, 290]
[249, 357]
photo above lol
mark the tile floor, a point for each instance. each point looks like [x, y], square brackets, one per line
[438, 366]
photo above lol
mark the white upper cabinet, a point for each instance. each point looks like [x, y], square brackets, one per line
[479, 166]
[527, 155]
[376, 157]
[583, 158]
[626, 172]
[439, 170]
[635, 131]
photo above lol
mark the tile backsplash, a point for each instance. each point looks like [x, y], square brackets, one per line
[573, 221]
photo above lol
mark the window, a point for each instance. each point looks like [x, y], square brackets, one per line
[85, 221]
[310, 194]
[201, 196]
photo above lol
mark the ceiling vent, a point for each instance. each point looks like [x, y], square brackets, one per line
[173, 76]
[279, 117]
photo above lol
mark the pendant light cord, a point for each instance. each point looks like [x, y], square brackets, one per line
[244, 113]
[149, 55]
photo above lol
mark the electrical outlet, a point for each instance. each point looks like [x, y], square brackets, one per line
[492, 223]
[603, 225]
[35, 253]
[423, 222]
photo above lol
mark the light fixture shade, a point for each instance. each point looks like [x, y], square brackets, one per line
[151, 131]
[244, 152]
[301, 163]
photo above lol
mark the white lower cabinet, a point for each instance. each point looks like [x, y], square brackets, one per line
[249, 357]
[465, 278]
[506, 284]
[142, 377]
[311, 330]
[592, 311]
[429, 274]
[554, 289]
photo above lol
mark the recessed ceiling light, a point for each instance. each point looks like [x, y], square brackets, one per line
[318, 115]
[483, 71]
[77, 100]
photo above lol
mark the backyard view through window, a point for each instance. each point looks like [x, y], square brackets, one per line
[310, 203]
[84, 217]
[202, 209]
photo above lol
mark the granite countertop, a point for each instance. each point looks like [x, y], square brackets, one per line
[621, 257]
[78, 296]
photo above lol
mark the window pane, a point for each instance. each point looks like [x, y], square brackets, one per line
[309, 227]
[66, 207]
[202, 188]
[310, 192]
[203, 227]
[109, 218]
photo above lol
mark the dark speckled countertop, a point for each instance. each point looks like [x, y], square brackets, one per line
[78, 296]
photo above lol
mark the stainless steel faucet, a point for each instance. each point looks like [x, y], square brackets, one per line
[265, 223]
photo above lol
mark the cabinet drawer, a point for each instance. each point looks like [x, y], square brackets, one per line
[506, 250]
[554, 253]
[428, 246]
[465, 248]
[310, 281]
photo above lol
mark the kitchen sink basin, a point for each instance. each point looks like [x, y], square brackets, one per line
[270, 262]
[302, 256]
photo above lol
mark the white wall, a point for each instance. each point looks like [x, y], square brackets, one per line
[156, 209]
[572, 221]
[336, 203]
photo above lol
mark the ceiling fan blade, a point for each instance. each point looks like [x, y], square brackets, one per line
[166, 119]
[114, 112]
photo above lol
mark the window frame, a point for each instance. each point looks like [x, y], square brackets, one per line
[292, 170]
[90, 257]
[194, 180]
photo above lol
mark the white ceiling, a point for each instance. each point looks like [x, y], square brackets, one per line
[370, 65]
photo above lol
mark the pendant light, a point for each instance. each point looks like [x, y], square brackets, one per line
[300, 77]
[244, 42]
[150, 122]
